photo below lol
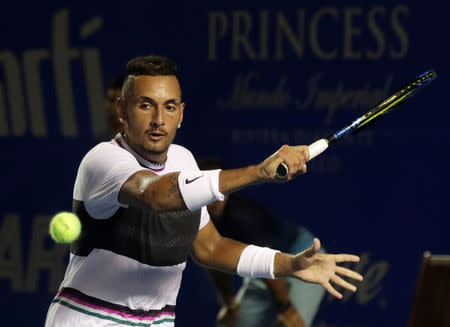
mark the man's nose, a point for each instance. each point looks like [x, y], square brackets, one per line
[157, 118]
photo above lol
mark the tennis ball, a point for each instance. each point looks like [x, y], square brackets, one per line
[65, 227]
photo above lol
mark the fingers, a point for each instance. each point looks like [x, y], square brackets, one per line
[295, 158]
[301, 171]
[313, 249]
[331, 290]
[346, 257]
[339, 281]
[304, 150]
[348, 273]
[345, 271]
[316, 244]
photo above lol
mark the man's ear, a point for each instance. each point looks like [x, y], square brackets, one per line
[121, 110]
[182, 105]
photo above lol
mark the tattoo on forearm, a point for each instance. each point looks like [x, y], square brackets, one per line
[174, 191]
[224, 187]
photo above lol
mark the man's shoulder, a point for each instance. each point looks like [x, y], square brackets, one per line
[105, 150]
[179, 150]
[181, 158]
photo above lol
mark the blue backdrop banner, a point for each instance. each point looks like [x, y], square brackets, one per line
[255, 76]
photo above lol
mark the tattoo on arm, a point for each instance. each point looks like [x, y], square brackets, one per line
[174, 191]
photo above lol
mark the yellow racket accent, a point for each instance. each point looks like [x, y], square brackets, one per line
[385, 109]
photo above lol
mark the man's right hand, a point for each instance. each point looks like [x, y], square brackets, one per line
[294, 157]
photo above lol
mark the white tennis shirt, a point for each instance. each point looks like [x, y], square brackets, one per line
[105, 287]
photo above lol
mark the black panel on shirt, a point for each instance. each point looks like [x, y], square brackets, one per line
[157, 239]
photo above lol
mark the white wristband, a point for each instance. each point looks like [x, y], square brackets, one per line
[256, 262]
[199, 188]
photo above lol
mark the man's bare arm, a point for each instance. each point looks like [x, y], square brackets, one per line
[214, 251]
[162, 193]
[211, 250]
[148, 190]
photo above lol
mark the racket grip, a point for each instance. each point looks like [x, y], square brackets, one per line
[314, 150]
[317, 148]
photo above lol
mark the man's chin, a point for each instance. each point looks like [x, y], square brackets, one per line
[159, 149]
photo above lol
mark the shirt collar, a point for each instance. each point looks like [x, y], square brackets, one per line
[156, 167]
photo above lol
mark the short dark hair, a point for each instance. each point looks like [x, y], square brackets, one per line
[152, 65]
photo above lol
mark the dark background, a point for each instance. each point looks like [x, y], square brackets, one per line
[310, 66]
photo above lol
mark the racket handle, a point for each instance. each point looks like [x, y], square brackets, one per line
[317, 148]
[314, 150]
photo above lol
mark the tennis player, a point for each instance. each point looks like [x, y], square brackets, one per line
[142, 203]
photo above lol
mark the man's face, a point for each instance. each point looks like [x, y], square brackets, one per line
[152, 114]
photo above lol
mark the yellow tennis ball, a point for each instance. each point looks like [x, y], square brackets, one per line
[65, 227]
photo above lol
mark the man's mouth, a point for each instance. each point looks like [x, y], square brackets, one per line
[156, 136]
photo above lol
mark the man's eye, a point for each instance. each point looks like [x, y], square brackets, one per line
[145, 106]
[170, 108]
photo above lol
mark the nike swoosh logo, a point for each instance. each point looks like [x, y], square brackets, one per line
[188, 181]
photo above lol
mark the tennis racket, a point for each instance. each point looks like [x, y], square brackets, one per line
[381, 109]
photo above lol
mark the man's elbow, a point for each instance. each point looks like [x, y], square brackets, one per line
[205, 255]
[202, 257]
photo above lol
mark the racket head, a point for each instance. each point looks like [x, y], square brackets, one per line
[386, 106]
